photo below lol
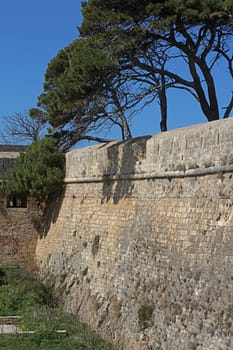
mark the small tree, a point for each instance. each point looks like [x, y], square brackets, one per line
[23, 127]
[38, 172]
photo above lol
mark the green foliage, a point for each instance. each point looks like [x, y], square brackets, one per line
[194, 33]
[104, 14]
[25, 296]
[127, 55]
[39, 170]
[25, 293]
[145, 316]
[71, 79]
[78, 92]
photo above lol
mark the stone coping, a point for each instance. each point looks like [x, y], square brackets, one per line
[157, 175]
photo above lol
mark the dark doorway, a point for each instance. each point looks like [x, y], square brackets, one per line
[17, 202]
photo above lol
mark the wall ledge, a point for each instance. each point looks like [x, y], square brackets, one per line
[159, 175]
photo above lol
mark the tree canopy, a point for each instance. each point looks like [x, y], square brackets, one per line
[39, 170]
[84, 94]
[128, 54]
[196, 34]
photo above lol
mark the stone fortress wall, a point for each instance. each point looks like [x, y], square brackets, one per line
[18, 228]
[140, 245]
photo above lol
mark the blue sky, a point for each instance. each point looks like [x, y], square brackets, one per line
[31, 34]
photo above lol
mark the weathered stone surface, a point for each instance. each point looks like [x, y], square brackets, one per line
[18, 226]
[141, 248]
[18, 237]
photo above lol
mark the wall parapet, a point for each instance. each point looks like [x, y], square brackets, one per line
[194, 151]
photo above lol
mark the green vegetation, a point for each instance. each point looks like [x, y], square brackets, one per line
[151, 40]
[128, 55]
[145, 316]
[22, 295]
[81, 95]
[39, 170]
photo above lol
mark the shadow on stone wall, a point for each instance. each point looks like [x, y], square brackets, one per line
[49, 214]
[122, 160]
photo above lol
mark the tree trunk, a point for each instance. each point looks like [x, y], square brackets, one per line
[210, 106]
[124, 125]
[163, 104]
[125, 128]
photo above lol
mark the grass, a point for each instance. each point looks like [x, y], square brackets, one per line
[23, 295]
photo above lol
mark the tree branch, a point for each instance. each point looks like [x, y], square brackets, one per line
[229, 108]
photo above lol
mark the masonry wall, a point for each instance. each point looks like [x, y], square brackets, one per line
[18, 226]
[141, 245]
[18, 237]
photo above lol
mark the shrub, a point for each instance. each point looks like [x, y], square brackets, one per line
[39, 170]
[145, 315]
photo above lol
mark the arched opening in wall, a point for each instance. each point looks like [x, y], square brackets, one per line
[16, 201]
